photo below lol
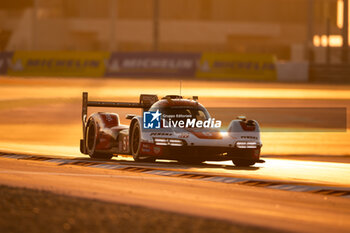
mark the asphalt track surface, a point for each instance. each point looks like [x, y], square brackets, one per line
[42, 118]
[246, 204]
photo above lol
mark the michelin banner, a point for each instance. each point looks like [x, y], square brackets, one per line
[50, 63]
[148, 64]
[237, 66]
[139, 64]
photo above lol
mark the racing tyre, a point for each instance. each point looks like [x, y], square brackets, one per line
[135, 144]
[91, 141]
[243, 163]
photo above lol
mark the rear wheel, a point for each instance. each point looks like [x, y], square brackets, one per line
[135, 141]
[91, 141]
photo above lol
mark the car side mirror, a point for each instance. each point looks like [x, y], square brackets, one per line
[129, 116]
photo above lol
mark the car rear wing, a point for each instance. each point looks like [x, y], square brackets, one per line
[145, 103]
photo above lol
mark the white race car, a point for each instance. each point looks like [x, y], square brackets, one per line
[178, 136]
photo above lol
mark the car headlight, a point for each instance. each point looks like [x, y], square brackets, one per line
[252, 145]
[168, 142]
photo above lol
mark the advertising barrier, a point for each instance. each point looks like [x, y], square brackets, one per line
[152, 64]
[237, 66]
[258, 67]
[50, 63]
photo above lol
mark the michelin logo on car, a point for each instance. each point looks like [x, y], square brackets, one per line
[152, 120]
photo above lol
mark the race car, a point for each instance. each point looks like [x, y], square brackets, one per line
[168, 129]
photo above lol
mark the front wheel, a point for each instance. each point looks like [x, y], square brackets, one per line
[245, 157]
[135, 145]
[243, 163]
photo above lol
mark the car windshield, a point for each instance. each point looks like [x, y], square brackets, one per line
[184, 112]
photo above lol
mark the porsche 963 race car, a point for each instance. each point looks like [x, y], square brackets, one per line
[170, 128]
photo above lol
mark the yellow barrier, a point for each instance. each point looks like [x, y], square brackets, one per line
[51, 63]
[237, 66]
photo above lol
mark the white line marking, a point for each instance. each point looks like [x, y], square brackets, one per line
[169, 173]
[163, 173]
[55, 161]
[15, 156]
[303, 189]
[284, 187]
[223, 179]
[104, 166]
[96, 165]
[66, 161]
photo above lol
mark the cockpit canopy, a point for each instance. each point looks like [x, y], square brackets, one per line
[180, 109]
